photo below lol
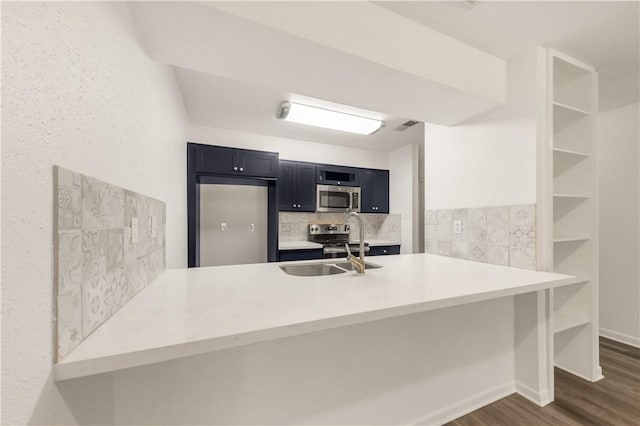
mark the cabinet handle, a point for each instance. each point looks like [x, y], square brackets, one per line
[294, 206]
[298, 205]
[235, 168]
[384, 251]
[241, 169]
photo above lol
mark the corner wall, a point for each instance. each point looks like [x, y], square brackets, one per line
[619, 192]
[404, 194]
[489, 160]
[80, 92]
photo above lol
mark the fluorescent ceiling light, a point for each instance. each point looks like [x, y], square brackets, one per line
[321, 117]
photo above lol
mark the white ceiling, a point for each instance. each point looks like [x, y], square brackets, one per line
[605, 34]
[229, 104]
[233, 73]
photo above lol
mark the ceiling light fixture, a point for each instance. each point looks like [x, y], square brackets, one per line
[321, 117]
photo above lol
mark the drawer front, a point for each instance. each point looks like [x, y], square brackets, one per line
[384, 250]
[291, 255]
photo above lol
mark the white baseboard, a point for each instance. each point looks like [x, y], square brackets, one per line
[538, 398]
[460, 408]
[598, 373]
[620, 337]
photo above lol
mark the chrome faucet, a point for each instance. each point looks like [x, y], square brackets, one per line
[358, 263]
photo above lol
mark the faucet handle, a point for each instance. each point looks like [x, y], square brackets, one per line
[346, 245]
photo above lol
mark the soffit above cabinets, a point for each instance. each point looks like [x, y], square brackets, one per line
[201, 38]
[229, 104]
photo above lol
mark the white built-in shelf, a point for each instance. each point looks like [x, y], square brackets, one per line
[570, 152]
[567, 195]
[578, 111]
[571, 239]
[565, 114]
[566, 321]
[570, 176]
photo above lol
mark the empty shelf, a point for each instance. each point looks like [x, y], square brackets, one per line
[570, 152]
[571, 195]
[571, 239]
[563, 322]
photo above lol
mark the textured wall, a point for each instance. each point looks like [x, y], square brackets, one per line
[79, 91]
[504, 235]
[101, 263]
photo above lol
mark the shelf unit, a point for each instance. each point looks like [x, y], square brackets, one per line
[567, 220]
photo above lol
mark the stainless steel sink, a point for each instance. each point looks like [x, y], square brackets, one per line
[349, 267]
[320, 269]
[312, 269]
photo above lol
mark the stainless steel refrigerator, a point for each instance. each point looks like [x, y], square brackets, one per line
[233, 224]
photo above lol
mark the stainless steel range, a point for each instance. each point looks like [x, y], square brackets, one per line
[333, 238]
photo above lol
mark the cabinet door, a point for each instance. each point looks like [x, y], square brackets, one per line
[262, 164]
[213, 159]
[381, 191]
[366, 191]
[337, 175]
[290, 255]
[305, 184]
[287, 186]
[384, 250]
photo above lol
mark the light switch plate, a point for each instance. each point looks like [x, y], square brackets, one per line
[457, 227]
[134, 230]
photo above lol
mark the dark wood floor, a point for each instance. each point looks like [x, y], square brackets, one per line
[614, 400]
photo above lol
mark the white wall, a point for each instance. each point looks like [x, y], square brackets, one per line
[395, 371]
[78, 91]
[403, 193]
[619, 180]
[289, 149]
[489, 160]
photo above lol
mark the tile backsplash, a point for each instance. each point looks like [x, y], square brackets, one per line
[99, 266]
[504, 235]
[294, 226]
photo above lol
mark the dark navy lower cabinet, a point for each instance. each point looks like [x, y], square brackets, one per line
[306, 254]
[383, 250]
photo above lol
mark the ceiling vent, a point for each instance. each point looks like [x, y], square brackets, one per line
[404, 126]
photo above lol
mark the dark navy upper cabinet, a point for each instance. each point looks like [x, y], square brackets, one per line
[258, 163]
[230, 161]
[374, 186]
[214, 159]
[337, 175]
[297, 187]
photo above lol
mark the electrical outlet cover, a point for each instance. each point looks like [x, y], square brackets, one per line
[134, 230]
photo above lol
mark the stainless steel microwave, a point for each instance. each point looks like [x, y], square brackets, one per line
[333, 198]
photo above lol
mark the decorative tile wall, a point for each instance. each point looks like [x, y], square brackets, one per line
[503, 235]
[99, 266]
[294, 226]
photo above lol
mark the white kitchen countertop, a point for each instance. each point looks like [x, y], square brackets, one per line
[298, 245]
[375, 243]
[192, 311]
[305, 245]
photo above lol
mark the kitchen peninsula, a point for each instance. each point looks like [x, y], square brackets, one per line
[187, 312]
